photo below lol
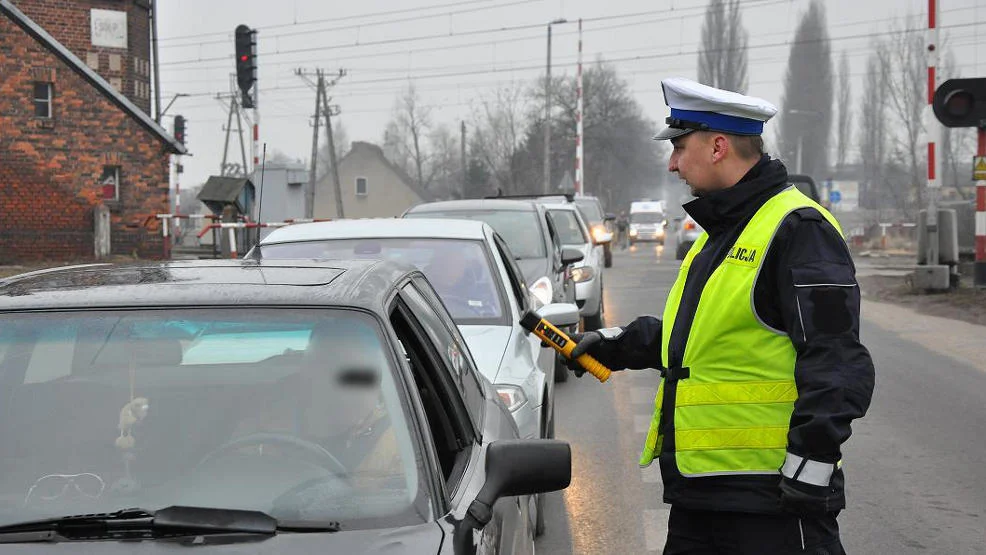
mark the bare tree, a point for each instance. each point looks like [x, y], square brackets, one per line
[903, 58]
[404, 139]
[445, 163]
[873, 130]
[807, 119]
[498, 125]
[722, 60]
[844, 122]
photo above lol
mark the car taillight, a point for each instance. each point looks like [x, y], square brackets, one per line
[689, 225]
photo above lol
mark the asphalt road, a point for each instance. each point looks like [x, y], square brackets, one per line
[915, 466]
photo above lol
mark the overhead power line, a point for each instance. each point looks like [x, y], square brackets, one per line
[398, 40]
[363, 25]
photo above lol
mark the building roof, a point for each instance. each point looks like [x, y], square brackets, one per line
[205, 283]
[378, 228]
[401, 174]
[223, 189]
[8, 9]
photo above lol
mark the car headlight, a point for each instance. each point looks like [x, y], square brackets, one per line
[512, 396]
[542, 290]
[633, 232]
[582, 273]
[600, 234]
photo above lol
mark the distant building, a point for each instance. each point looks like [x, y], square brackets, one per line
[280, 192]
[372, 187]
[75, 132]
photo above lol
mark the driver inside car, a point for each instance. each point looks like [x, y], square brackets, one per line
[334, 403]
[456, 276]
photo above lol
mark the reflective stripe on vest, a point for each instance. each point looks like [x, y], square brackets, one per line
[733, 411]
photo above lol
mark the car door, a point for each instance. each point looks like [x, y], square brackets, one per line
[455, 448]
[542, 358]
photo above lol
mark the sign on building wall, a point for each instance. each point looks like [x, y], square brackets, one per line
[109, 28]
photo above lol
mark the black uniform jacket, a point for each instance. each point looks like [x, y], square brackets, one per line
[807, 288]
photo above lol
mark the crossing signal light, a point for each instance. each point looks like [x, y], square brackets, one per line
[246, 63]
[961, 103]
[180, 129]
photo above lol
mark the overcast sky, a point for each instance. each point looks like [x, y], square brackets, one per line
[457, 51]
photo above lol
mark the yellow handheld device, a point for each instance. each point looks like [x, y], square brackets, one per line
[562, 343]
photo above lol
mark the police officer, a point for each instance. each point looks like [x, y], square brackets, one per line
[762, 370]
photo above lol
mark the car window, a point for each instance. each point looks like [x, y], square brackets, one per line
[518, 284]
[456, 347]
[519, 228]
[590, 207]
[449, 426]
[460, 270]
[294, 411]
[566, 223]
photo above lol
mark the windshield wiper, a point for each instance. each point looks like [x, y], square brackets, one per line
[170, 522]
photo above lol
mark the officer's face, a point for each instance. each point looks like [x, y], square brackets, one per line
[692, 160]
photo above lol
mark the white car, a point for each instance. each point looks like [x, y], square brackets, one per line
[573, 232]
[687, 233]
[475, 275]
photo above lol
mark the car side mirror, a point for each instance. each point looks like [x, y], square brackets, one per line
[571, 256]
[514, 467]
[521, 467]
[561, 315]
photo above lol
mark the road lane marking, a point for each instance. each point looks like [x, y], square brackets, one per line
[655, 525]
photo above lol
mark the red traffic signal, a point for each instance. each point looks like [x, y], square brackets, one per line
[179, 131]
[961, 103]
[246, 62]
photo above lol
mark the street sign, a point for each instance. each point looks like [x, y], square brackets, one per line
[835, 197]
[979, 168]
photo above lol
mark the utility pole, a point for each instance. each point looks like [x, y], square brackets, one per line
[332, 146]
[322, 108]
[547, 113]
[234, 109]
[157, 63]
[579, 152]
[465, 163]
[310, 193]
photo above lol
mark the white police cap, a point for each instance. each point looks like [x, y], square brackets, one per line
[695, 106]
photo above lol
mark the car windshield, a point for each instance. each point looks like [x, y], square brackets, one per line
[568, 228]
[647, 217]
[458, 269]
[591, 209]
[295, 413]
[519, 228]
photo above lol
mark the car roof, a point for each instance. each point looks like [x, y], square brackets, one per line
[475, 204]
[379, 227]
[560, 206]
[354, 283]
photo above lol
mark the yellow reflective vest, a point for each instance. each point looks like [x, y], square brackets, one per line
[732, 411]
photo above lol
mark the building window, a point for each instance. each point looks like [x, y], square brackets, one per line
[110, 182]
[43, 94]
[361, 186]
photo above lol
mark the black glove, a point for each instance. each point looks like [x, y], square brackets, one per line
[805, 499]
[583, 343]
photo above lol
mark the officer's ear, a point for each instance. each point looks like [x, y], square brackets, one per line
[720, 148]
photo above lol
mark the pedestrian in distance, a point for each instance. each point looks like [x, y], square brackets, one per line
[623, 230]
[762, 370]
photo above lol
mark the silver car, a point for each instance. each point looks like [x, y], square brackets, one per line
[685, 236]
[573, 231]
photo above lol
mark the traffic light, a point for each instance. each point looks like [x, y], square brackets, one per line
[961, 103]
[246, 63]
[180, 129]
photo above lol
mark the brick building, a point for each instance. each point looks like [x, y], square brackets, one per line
[75, 131]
